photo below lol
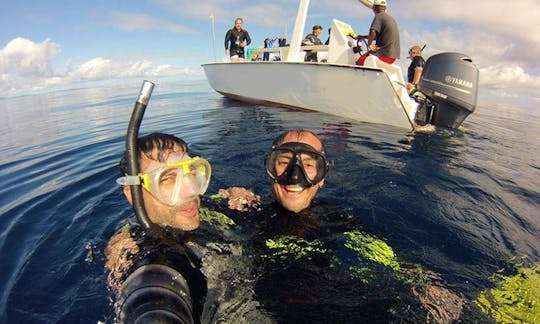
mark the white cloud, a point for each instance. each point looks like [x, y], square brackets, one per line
[27, 58]
[498, 35]
[512, 82]
[25, 66]
[498, 31]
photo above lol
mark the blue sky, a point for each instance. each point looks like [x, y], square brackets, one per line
[50, 44]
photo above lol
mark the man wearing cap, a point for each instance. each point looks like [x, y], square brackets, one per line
[384, 31]
[312, 39]
[415, 68]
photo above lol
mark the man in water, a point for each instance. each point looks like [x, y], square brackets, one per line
[172, 181]
[385, 32]
[297, 166]
[195, 251]
[236, 39]
[315, 262]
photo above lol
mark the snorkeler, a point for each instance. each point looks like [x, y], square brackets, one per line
[297, 166]
[169, 262]
[172, 181]
[315, 261]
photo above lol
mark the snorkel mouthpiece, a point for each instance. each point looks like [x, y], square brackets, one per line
[133, 154]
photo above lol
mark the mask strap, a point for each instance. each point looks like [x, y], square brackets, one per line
[129, 180]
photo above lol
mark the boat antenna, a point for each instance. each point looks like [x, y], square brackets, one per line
[422, 49]
[132, 150]
[212, 18]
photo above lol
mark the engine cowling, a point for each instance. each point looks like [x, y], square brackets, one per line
[450, 83]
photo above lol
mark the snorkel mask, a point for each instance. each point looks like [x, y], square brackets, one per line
[296, 163]
[178, 180]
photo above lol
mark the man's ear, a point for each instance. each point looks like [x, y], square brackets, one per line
[127, 193]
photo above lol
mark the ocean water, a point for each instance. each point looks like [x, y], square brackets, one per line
[464, 203]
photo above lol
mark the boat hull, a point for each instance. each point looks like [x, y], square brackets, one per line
[359, 93]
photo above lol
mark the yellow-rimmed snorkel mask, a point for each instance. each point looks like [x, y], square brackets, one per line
[176, 181]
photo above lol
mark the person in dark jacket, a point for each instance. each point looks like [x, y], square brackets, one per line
[236, 39]
[312, 39]
[415, 68]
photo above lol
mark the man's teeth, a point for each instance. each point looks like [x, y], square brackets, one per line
[295, 188]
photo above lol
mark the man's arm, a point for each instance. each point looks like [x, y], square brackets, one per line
[248, 39]
[417, 74]
[227, 36]
[372, 36]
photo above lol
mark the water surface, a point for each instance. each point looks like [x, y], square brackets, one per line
[462, 203]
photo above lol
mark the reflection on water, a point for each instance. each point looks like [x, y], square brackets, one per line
[460, 203]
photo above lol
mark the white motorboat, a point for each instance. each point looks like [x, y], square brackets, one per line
[373, 93]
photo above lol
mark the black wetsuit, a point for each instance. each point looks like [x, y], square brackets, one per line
[303, 262]
[423, 115]
[233, 38]
[417, 61]
[211, 261]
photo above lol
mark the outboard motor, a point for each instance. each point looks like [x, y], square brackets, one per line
[450, 83]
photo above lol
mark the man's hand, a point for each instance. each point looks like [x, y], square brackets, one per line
[373, 47]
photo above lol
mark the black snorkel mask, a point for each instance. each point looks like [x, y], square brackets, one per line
[295, 163]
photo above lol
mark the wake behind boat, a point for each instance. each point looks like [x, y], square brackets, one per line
[373, 93]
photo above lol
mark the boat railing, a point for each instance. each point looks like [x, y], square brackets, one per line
[257, 54]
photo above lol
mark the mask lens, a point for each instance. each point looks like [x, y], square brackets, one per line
[312, 165]
[296, 163]
[179, 182]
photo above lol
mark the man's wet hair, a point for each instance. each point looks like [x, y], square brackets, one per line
[155, 142]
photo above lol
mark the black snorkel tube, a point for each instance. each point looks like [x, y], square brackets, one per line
[133, 154]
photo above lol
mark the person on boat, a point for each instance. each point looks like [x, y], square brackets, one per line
[175, 272]
[315, 262]
[236, 39]
[268, 42]
[312, 39]
[415, 68]
[383, 38]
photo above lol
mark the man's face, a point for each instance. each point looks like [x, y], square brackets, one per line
[295, 197]
[238, 24]
[317, 32]
[184, 216]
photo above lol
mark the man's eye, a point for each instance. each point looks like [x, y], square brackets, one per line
[309, 164]
[168, 177]
[283, 161]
